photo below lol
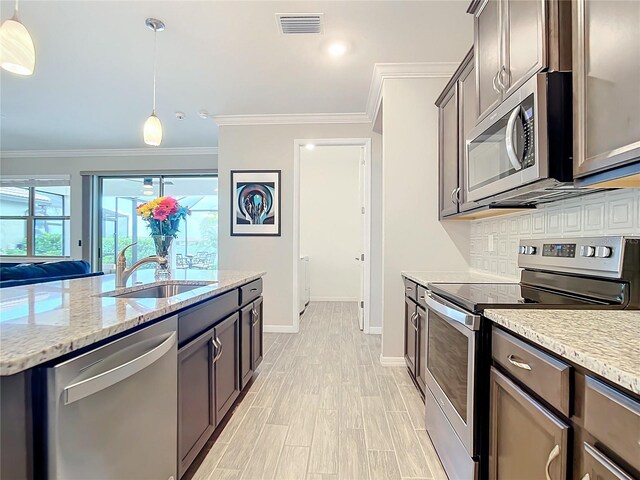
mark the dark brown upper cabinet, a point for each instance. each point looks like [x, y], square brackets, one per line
[606, 93]
[514, 40]
[454, 118]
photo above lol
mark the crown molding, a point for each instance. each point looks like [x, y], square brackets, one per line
[286, 119]
[383, 71]
[109, 152]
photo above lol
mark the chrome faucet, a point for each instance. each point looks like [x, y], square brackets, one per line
[123, 273]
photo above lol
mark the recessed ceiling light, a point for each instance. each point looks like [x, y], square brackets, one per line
[309, 146]
[337, 49]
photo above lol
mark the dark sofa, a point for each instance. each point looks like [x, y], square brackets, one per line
[18, 275]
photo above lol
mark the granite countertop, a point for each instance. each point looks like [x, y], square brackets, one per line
[44, 321]
[469, 276]
[604, 342]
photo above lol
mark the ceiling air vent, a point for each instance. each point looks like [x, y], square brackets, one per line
[294, 23]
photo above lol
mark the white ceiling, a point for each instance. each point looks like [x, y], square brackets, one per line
[93, 78]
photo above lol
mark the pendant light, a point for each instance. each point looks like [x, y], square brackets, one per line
[17, 53]
[153, 127]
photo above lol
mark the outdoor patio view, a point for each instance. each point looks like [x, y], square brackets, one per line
[195, 247]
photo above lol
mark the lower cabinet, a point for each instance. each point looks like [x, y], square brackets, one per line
[527, 441]
[196, 398]
[251, 340]
[421, 343]
[257, 342]
[226, 364]
[410, 329]
[208, 384]
[246, 332]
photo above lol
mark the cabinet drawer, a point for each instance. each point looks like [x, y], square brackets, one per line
[197, 319]
[614, 419]
[542, 373]
[250, 291]
[410, 289]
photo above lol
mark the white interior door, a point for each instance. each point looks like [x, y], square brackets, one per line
[362, 230]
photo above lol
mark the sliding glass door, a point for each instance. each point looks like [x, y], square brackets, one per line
[197, 244]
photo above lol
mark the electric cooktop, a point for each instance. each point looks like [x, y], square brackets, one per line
[477, 297]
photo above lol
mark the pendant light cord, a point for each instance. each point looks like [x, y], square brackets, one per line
[155, 54]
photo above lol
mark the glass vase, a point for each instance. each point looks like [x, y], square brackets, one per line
[163, 244]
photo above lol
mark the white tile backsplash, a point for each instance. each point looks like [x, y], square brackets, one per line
[606, 213]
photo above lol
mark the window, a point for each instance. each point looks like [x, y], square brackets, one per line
[34, 217]
[196, 246]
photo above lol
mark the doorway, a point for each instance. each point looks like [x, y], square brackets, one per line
[331, 224]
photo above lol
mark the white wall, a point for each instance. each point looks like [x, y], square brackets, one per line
[607, 213]
[271, 147]
[414, 239]
[73, 167]
[330, 220]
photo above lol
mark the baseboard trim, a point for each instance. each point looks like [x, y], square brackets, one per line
[280, 329]
[375, 330]
[333, 299]
[392, 361]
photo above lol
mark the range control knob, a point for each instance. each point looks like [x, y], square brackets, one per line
[587, 251]
[530, 250]
[522, 250]
[603, 252]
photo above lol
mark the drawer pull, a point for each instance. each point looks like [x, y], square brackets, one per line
[254, 289]
[553, 454]
[409, 288]
[513, 360]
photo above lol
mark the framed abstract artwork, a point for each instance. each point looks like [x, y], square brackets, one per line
[255, 202]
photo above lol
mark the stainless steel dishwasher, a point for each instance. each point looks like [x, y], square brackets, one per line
[112, 412]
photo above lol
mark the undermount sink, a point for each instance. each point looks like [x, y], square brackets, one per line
[160, 291]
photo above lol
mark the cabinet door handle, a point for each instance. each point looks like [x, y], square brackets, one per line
[495, 85]
[553, 454]
[513, 360]
[453, 192]
[499, 78]
[218, 344]
[507, 80]
[254, 313]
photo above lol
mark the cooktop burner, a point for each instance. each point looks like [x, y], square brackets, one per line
[479, 296]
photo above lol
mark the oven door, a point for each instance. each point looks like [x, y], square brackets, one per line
[508, 149]
[452, 336]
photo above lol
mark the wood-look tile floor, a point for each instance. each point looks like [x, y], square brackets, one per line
[322, 407]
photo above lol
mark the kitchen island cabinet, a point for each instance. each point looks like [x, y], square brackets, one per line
[208, 358]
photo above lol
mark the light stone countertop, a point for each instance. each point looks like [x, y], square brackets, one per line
[605, 342]
[44, 321]
[469, 276]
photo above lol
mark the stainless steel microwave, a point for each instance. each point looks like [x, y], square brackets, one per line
[527, 140]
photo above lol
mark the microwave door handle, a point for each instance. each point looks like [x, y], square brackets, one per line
[511, 127]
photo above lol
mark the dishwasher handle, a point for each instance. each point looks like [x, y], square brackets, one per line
[79, 390]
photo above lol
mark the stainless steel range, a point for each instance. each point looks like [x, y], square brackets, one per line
[565, 273]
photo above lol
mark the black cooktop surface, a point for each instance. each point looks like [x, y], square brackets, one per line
[478, 296]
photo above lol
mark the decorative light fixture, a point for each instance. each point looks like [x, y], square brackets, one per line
[153, 127]
[17, 53]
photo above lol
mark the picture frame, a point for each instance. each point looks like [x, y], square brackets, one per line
[255, 203]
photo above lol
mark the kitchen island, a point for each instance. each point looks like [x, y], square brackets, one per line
[58, 323]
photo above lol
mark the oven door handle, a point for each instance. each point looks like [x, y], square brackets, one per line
[452, 312]
[511, 127]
